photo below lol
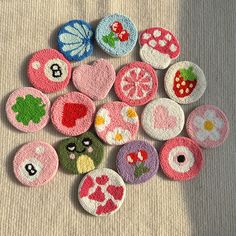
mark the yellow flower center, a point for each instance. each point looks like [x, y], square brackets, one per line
[99, 120]
[208, 125]
[118, 137]
[131, 113]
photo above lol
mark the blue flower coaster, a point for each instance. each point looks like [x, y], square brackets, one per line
[75, 40]
[116, 35]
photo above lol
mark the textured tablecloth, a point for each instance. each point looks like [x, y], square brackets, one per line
[203, 206]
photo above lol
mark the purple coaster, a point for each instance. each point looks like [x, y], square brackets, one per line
[137, 162]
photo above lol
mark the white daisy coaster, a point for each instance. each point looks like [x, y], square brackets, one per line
[116, 123]
[102, 192]
[162, 119]
[208, 126]
[185, 82]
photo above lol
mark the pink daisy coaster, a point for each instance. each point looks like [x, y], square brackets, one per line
[49, 71]
[73, 113]
[208, 126]
[35, 163]
[136, 83]
[116, 123]
[181, 158]
[102, 192]
[27, 109]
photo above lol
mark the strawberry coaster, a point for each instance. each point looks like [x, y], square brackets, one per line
[116, 123]
[181, 158]
[27, 109]
[79, 155]
[185, 82]
[137, 162]
[75, 40]
[101, 192]
[158, 47]
[136, 83]
[208, 126]
[162, 119]
[116, 35]
[94, 80]
[49, 71]
[35, 164]
[73, 113]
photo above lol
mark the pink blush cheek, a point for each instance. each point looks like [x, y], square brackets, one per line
[90, 149]
[72, 156]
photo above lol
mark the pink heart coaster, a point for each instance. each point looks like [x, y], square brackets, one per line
[94, 80]
[162, 119]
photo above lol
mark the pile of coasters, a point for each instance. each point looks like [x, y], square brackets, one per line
[102, 190]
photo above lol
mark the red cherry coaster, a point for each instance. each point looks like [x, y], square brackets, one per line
[28, 109]
[101, 192]
[181, 158]
[136, 83]
[72, 114]
[49, 71]
[35, 164]
[208, 126]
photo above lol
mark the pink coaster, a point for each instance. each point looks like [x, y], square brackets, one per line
[94, 80]
[28, 109]
[73, 113]
[208, 126]
[181, 158]
[35, 163]
[116, 123]
[49, 71]
[136, 83]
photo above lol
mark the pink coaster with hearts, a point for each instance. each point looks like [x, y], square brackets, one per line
[49, 71]
[116, 123]
[136, 83]
[101, 192]
[162, 119]
[94, 80]
[73, 113]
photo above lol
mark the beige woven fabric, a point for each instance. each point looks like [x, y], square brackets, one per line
[203, 206]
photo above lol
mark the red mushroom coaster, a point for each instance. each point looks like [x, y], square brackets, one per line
[102, 192]
[185, 82]
[158, 47]
[136, 83]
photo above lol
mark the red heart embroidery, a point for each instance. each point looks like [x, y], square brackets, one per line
[87, 184]
[72, 112]
[98, 195]
[116, 191]
[102, 180]
[108, 207]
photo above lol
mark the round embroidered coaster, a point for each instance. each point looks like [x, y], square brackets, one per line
[185, 82]
[158, 47]
[136, 83]
[79, 155]
[101, 192]
[116, 123]
[162, 119]
[208, 126]
[49, 71]
[181, 158]
[116, 35]
[75, 40]
[94, 80]
[73, 113]
[27, 109]
[137, 162]
[35, 163]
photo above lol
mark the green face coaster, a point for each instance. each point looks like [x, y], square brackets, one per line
[81, 154]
